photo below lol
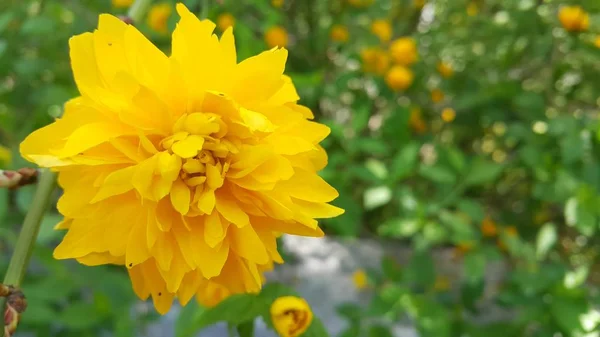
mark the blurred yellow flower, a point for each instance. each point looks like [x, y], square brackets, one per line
[511, 231]
[488, 227]
[360, 279]
[419, 3]
[463, 248]
[276, 36]
[437, 95]
[291, 316]
[360, 3]
[159, 16]
[382, 29]
[224, 21]
[472, 8]
[5, 155]
[121, 3]
[597, 41]
[445, 69]
[399, 78]
[404, 51]
[416, 121]
[375, 60]
[442, 283]
[339, 33]
[277, 3]
[574, 18]
[448, 115]
[183, 168]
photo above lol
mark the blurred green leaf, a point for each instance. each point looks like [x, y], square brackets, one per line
[546, 238]
[246, 329]
[79, 316]
[482, 172]
[399, 227]
[474, 264]
[405, 161]
[376, 196]
[437, 174]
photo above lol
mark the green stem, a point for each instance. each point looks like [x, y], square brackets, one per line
[204, 9]
[138, 10]
[31, 227]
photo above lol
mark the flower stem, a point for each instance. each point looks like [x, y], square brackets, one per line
[138, 10]
[31, 227]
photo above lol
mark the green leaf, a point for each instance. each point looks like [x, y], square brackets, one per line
[235, 309]
[399, 227]
[437, 174]
[361, 115]
[546, 238]
[316, 329]
[404, 162]
[472, 208]
[246, 329]
[352, 312]
[566, 311]
[185, 323]
[474, 264]
[576, 278]
[377, 168]
[79, 316]
[379, 331]
[420, 269]
[376, 197]
[482, 172]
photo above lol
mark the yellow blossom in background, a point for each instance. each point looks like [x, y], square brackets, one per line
[399, 78]
[183, 168]
[488, 227]
[511, 231]
[404, 51]
[472, 9]
[158, 16]
[5, 156]
[445, 69]
[224, 21]
[339, 33]
[419, 3]
[360, 279]
[574, 18]
[122, 3]
[277, 3]
[291, 316]
[375, 60]
[463, 248]
[448, 115]
[442, 283]
[382, 29]
[276, 37]
[597, 41]
[416, 121]
[437, 95]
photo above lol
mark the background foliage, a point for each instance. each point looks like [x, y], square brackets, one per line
[498, 162]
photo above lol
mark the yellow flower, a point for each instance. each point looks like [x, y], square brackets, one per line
[448, 115]
[442, 283]
[184, 168]
[382, 29]
[360, 279]
[597, 41]
[472, 8]
[416, 121]
[5, 155]
[225, 21]
[488, 227]
[463, 248]
[574, 18]
[419, 3]
[159, 16]
[445, 69]
[404, 51]
[375, 60]
[291, 316]
[399, 78]
[211, 293]
[121, 3]
[276, 37]
[437, 95]
[277, 3]
[511, 231]
[339, 33]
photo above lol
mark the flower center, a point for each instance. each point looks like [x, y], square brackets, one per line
[199, 139]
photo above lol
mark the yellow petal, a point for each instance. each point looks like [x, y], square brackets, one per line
[188, 147]
[247, 244]
[228, 208]
[214, 229]
[180, 197]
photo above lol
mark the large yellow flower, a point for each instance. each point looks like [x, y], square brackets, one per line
[184, 168]
[574, 18]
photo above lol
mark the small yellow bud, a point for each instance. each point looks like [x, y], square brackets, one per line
[399, 78]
